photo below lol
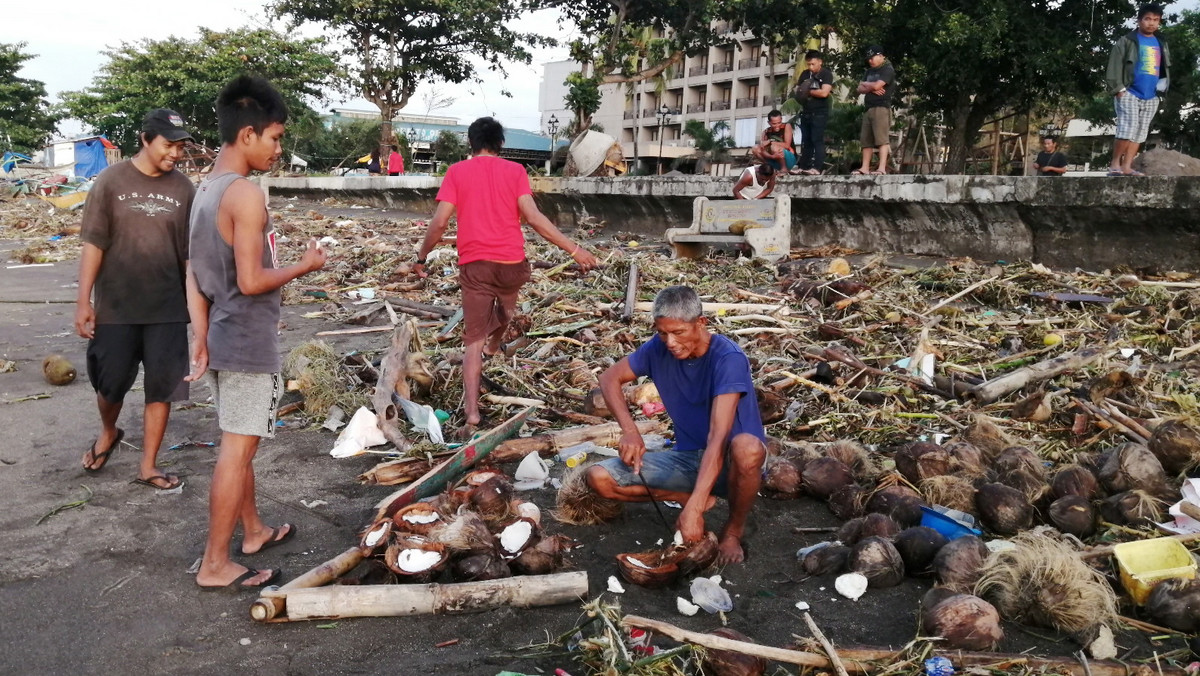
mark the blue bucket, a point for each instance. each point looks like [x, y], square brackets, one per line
[947, 525]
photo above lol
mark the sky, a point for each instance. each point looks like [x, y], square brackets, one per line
[70, 36]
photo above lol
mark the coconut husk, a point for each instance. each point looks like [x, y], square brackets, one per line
[480, 567]
[467, 533]
[782, 479]
[877, 559]
[647, 569]
[921, 460]
[966, 459]
[419, 518]
[1137, 509]
[959, 563]
[825, 560]
[1133, 467]
[492, 500]
[918, 546]
[479, 477]
[578, 505]
[900, 502]
[1002, 509]
[950, 490]
[732, 662]
[1174, 602]
[855, 456]
[987, 436]
[57, 370]
[1176, 446]
[824, 476]
[801, 454]
[534, 561]
[1033, 487]
[847, 502]
[1018, 458]
[964, 621]
[772, 406]
[1074, 479]
[1045, 583]
[579, 375]
[1073, 514]
[698, 556]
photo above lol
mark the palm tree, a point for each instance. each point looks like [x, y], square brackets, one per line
[712, 144]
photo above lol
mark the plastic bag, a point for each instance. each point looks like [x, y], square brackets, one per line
[361, 432]
[709, 595]
[423, 419]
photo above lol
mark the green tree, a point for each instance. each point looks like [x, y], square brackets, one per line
[449, 147]
[328, 145]
[1177, 120]
[964, 61]
[187, 75]
[395, 45]
[712, 143]
[26, 119]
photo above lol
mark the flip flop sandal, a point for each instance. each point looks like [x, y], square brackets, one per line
[236, 586]
[858, 172]
[276, 539]
[102, 458]
[1115, 172]
[173, 482]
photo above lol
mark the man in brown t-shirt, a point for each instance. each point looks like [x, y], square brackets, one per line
[135, 235]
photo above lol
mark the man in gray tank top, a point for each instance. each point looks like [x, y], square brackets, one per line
[233, 292]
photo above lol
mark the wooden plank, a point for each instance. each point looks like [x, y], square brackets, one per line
[435, 480]
[349, 332]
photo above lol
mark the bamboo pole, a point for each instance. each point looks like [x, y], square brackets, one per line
[547, 445]
[273, 602]
[1027, 375]
[399, 600]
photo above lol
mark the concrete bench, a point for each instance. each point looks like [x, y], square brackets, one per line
[765, 225]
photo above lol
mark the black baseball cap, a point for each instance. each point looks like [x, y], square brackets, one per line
[167, 124]
[874, 50]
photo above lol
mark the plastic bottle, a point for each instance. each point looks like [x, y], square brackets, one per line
[572, 459]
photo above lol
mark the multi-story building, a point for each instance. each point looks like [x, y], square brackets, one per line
[731, 82]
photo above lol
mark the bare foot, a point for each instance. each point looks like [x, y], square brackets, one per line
[95, 458]
[231, 572]
[252, 543]
[729, 549]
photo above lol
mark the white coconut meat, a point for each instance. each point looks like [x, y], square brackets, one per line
[376, 535]
[515, 536]
[851, 585]
[637, 562]
[417, 560]
[614, 585]
[685, 606]
[421, 517]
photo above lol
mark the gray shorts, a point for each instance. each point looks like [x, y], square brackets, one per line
[667, 470]
[246, 402]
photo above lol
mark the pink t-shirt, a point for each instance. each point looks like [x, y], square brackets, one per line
[395, 163]
[484, 191]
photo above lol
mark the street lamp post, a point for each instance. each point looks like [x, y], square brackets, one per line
[552, 126]
[663, 113]
[411, 135]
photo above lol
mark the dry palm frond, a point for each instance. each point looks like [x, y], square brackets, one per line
[579, 506]
[1044, 582]
[319, 374]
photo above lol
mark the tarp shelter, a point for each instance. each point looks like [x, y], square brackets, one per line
[10, 160]
[79, 158]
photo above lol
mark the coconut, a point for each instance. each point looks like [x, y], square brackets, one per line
[466, 533]
[419, 518]
[901, 503]
[1044, 582]
[1176, 446]
[825, 560]
[1138, 509]
[1174, 602]
[847, 501]
[871, 525]
[824, 476]
[921, 460]
[958, 564]
[699, 555]
[375, 537]
[1031, 485]
[415, 558]
[800, 454]
[731, 662]
[989, 438]
[917, 547]
[1016, 458]
[966, 458]
[647, 569]
[782, 478]
[964, 621]
[949, 490]
[1073, 514]
[534, 561]
[484, 566]
[1074, 479]
[877, 559]
[1132, 466]
[772, 406]
[578, 505]
[492, 498]
[517, 535]
[1003, 510]
[853, 455]
[526, 509]
[57, 370]
[482, 476]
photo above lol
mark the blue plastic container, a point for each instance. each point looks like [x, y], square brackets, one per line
[945, 524]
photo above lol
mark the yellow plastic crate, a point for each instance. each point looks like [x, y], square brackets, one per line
[1145, 563]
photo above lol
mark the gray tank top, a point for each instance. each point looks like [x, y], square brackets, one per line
[242, 330]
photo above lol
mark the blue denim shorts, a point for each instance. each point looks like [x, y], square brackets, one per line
[668, 470]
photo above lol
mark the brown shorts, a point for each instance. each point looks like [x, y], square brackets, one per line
[876, 125]
[489, 296]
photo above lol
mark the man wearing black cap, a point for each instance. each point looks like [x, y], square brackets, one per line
[135, 235]
[877, 87]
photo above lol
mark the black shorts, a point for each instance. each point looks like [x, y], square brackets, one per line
[115, 350]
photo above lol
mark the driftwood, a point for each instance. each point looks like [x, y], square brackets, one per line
[393, 370]
[273, 602]
[630, 293]
[867, 660]
[834, 354]
[546, 445]
[398, 600]
[412, 307]
[399, 471]
[826, 644]
[1034, 373]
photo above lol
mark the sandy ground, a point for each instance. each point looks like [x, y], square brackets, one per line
[105, 588]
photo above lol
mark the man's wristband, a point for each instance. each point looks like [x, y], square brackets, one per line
[420, 260]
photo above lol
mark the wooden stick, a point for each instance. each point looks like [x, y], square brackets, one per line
[399, 600]
[859, 660]
[834, 354]
[413, 307]
[1107, 550]
[1101, 413]
[825, 643]
[847, 302]
[514, 401]
[272, 603]
[1111, 407]
[546, 445]
[1180, 354]
[349, 332]
[781, 308]
[630, 293]
[960, 294]
[1026, 375]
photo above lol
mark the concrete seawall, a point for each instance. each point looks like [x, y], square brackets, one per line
[1088, 222]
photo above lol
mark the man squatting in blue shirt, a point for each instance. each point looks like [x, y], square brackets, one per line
[705, 384]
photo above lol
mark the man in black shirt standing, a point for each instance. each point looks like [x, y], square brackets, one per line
[878, 85]
[812, 90]
[1050, 162]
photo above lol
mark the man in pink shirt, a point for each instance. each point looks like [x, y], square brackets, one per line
[491, 196]
[395, 162]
